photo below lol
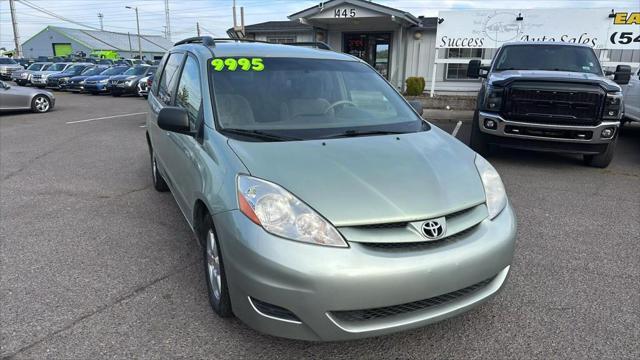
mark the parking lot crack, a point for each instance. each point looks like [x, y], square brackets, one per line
[124, 297]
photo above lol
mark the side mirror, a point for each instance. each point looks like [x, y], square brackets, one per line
[473, 71]
[417, 105]
[174, 119]
[622, 74]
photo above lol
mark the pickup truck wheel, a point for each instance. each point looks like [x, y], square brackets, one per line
[478, 141]
[215, 275]
[158, 181]
[604, 159]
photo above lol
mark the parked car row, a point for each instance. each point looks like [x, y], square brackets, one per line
[87, 77]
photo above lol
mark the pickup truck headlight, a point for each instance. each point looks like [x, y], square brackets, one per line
[493, 187]
[493, 98]
[281, 213]
[613, 106]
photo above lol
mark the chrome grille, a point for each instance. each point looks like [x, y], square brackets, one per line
[419, 245]
[407, 308]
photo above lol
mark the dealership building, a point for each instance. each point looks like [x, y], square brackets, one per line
[399, 44]
[62, 41]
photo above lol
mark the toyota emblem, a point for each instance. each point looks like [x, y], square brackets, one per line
[434, 229]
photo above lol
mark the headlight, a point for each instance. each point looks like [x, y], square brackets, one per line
[129, 83]
[104, 81]
[493, 187]
[493, 98]
[81, 82]
[284, 215]
[613, 106]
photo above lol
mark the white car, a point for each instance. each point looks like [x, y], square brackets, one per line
[631, 94]
[39, 78]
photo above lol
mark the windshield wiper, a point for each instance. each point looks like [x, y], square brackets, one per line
[258, 134]
[354, 133]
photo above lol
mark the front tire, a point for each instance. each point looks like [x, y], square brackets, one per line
[158, 181]
[215, 275]
[40, 104]
[602, 160]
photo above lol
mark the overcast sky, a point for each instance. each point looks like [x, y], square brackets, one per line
[215, 15]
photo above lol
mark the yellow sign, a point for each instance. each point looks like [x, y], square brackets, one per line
[623, 18]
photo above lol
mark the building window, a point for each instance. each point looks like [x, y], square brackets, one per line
[459, 71]
[281, 39]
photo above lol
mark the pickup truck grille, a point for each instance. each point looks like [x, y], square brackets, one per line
[552, 103]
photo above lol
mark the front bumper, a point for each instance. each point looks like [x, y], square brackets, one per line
[124, 88]
[544, 132]
[74, 87]
[96, 87]
[316, 283]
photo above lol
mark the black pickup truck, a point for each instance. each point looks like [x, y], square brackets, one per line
[548, 97]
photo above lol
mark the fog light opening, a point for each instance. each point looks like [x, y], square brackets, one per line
[607, 133]
[490, 124]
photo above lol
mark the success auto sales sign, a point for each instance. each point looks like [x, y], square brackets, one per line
[598, 28]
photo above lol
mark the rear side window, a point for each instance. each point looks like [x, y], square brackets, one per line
[168, 78]
[189, 96]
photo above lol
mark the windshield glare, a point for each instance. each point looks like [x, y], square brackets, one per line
[35, 67]
[92, 71]
[75, 69]
[114, 71]
[310, 99]
[56, 67]
[548, 57]
[136, 70]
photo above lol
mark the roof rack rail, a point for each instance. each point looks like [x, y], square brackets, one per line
[211, 41]
[315, 44]
[204, 40]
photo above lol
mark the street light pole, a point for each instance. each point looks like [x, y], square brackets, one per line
[138, 25]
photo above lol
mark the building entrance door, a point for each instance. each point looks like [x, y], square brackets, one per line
[374, 48]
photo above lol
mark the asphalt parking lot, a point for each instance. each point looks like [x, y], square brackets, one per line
[95, 263]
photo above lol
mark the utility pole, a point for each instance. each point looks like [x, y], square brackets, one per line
[138, 25]
[235, 23]
[198, 28]
[16, 36]
[167, 20]
[100, 16]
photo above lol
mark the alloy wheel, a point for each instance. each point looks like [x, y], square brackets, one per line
[42, 104]
[213, 265]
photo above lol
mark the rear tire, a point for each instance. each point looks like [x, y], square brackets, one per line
[158, 181]
[604, 159]
[478, 142]
[217, 288]
[41, 104]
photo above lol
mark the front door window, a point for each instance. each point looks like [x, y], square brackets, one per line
[374, 48]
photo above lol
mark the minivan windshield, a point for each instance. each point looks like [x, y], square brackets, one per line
[301, 99]
[548, 57]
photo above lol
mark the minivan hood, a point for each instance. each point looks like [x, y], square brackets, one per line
[372, 179]
[504, 77]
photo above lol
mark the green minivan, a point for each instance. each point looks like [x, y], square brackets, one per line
[326, 207]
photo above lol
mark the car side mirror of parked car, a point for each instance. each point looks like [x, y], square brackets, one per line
[417, 105]
[473, 70]
[622, 74]
[174, 119]
[476, 70]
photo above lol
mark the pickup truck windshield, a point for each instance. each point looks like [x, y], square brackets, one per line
[548, 57]
[7, 61]
[305, 99]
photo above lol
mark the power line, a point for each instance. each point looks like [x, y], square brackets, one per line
[45, 11]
